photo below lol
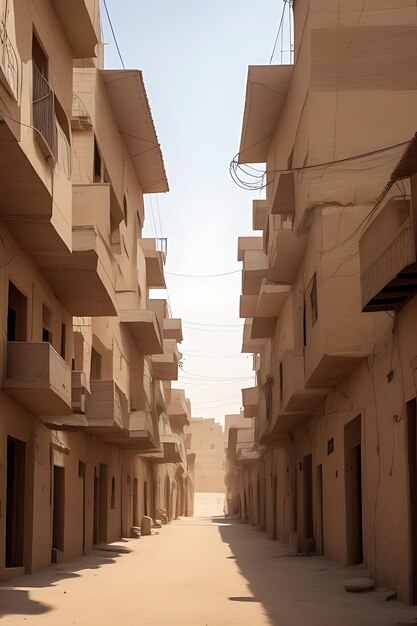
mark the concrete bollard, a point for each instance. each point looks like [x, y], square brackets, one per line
[145, 525]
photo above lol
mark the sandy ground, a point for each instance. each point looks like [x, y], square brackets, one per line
[208, 504]
[198, 572]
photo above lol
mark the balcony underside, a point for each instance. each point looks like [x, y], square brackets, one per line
[295, 397]
[270, 302]
[82, 284]
[143, 326]
[165, 367]
[331, 370]
[286, 259]
[138, 441]
[279, 432]
[169, 453]
[396, 293]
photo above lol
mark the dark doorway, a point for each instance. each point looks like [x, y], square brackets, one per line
[135, 503]
[353, 491]
[15, 502]
[167, 497]
[319, 533]
[58, 514]
[96, 507]
[100, 504]
[16, 315]
[274, 510]
[81, 474]
[102, 525]
[308, 496]
[412, 482]
[258, 503]
[145, 498]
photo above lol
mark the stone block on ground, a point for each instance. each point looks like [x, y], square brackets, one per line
[146, 526]
[359, 584]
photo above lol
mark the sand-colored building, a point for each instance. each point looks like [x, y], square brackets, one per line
[207, 444]
[328, 292]
[91, 435]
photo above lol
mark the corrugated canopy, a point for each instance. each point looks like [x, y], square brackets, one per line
[266, 90]
[127, 96]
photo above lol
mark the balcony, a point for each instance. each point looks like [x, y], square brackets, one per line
[10, 64]
[287, 251]
[248, 244]
[106, 408]
[387, 252]
[255, 270]
[143, 326]
[142, 434]
[259, 214]
[84, 280]
[38, 378]
[78, 26]
[154, 251]
[170, 452]
[270, 302]
[42, 225]
[165, 365]
[284, 195]
[160, 307]
[250, 398]
[247, 306]
[294, 395]
[249, 345]
[179, 409]
[78, 391]
[172, 329]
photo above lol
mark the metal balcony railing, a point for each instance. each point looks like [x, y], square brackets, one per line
[162, 246]
[44, 119]
[9, 62]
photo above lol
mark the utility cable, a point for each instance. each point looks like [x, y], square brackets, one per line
[114, 34]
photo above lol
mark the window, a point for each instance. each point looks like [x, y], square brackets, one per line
[46, 325]
[313, 300]
[39, 57]
[63, 340]
[98, 178]
[95, 365]
[16, 315]
[212, 446]
[125, 209]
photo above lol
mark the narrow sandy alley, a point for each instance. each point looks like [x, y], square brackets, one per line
[211, 573]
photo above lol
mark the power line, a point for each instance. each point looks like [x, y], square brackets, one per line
[259, 183]
[114, 34]
[279, 31]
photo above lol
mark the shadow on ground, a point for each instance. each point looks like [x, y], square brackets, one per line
[15, 593]
[303, 591]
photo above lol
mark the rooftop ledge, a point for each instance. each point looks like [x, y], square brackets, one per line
[129, 102]
[266, 90]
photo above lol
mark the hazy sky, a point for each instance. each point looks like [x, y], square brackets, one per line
[194, 56]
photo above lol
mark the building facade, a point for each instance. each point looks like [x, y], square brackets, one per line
[328, 292]
[207, 443]
[91, 434]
